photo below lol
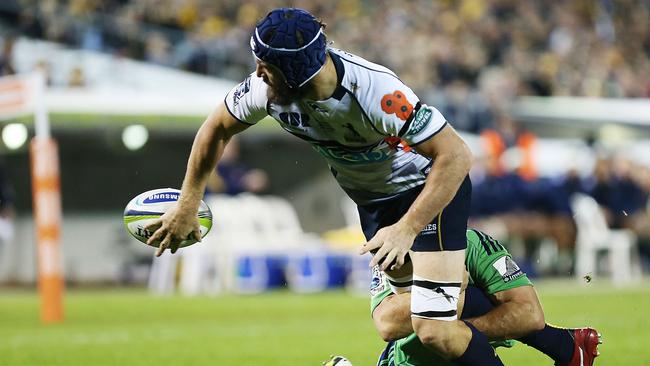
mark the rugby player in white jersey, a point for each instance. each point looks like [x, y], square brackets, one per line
[397, 158]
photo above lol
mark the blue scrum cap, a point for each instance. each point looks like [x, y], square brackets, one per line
[292, 40]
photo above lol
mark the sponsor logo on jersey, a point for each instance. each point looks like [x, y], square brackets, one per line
[161, 197]
[421, 120]
[429, 229]
[377, 285]
[294, 119]
[243, 88]
[351, 157]
[507, 268]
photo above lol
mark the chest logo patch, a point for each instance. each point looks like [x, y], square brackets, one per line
[294, 119]
[397, 104]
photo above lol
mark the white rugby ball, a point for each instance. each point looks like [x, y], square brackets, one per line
[338, 361]
[148, 206]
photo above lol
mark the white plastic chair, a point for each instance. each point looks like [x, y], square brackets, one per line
[244, 226]
[594, 235]
[253, 226]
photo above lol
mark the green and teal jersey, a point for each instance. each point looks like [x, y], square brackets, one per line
[491, 268]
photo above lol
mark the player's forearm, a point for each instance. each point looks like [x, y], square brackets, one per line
[393, 317]
[507, 321]
[207, 148]
[448, 172]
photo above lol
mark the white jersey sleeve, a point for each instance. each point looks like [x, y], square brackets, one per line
[389, 103]
[425, 123]
[247, 101]
[396, 111]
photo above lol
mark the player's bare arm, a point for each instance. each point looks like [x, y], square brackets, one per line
[518, 314]
[452, 162]
[180, 222]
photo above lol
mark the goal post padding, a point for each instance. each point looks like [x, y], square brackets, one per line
[22, 95]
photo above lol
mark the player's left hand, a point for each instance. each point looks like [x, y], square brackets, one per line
[391, 243]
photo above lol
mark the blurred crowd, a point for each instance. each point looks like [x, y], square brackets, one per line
[469, 57]
[511, 200]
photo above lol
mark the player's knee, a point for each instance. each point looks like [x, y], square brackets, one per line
[437, 335]
[434, 312]
[388, 332]
[385, 324]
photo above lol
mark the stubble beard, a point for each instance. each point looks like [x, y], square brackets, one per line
[283, 95]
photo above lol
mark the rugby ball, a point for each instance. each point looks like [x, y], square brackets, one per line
[338, 361]
[148, 206]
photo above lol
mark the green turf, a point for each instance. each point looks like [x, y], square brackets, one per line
[128, 327]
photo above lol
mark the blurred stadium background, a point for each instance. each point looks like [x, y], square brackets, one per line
[553, 98]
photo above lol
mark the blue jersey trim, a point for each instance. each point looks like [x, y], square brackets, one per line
[339, 92]
[338, 66]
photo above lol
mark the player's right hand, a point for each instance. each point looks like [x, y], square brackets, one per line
[392, 244]
[174, 226]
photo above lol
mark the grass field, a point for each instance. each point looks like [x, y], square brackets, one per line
[129, 327]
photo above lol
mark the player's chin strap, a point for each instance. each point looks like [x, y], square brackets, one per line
[434, 299]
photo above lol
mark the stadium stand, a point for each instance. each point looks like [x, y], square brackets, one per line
[481, 56]
[556, 47]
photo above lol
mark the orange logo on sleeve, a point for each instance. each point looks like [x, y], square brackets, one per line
[398, 104]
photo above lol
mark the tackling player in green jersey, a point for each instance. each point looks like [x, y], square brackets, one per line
[500, 301]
